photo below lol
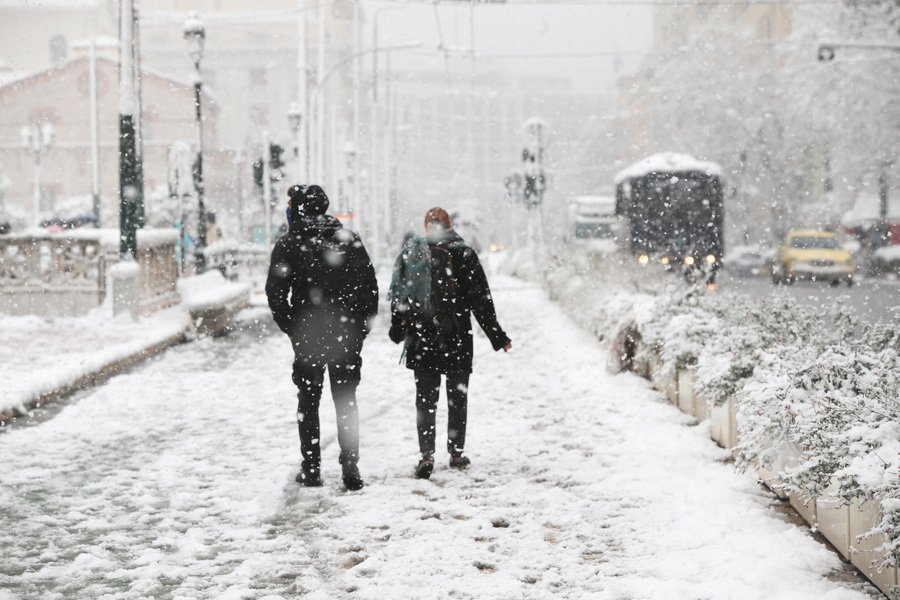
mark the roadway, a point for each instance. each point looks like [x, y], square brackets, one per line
[873, 300]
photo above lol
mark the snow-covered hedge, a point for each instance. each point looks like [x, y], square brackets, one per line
[812, 379]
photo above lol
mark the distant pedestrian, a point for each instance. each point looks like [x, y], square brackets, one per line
[437, 281]
[323, 293]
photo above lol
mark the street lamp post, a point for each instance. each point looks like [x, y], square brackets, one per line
[195, 37]
[350, 199]
[37, 140]
[295, 119]
[326, 77]
[131, 178]
[827, 53]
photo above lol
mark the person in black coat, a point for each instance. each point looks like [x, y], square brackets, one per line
[438, 281]
[322, 292]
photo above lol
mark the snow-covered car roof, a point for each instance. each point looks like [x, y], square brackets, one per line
[668, 162]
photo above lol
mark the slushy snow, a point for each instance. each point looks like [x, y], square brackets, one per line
[177, 480]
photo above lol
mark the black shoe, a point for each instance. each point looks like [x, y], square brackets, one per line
[458, 461]
[425, 467]
[309, 476]
[352, 479]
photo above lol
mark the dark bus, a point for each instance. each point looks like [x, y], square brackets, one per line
[673, 207]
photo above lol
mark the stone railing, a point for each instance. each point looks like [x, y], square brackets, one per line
[159, 268]
[64, 274]
[248, 262]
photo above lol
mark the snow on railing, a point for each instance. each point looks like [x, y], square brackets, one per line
[64, 273]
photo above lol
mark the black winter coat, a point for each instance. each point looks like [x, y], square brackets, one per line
[430, 344]
[322, 289]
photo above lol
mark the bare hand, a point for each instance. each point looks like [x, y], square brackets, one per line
[507, 347]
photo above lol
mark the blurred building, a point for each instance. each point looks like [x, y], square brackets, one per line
[250, 65]
[59, 96]
[457, 138]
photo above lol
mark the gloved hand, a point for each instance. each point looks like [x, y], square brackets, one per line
[397, 333]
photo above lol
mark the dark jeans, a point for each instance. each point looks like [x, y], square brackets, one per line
[344, 377]
[428, 389]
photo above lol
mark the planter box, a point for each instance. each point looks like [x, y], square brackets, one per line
[656, 377]
[686, 394]
[786, 456]
[863, 552]
[701, 408]
[722, 424]
[833, 520]
[807, 509]
[670, 387]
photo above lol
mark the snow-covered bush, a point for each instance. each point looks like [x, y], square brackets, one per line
[810, 382]
[681, 326]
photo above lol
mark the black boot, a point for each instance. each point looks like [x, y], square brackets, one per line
[458, 461]
[309, 475]
[352, 479]
[425, 467]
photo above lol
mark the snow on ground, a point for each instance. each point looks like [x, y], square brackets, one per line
[176, 480]
[41, 354]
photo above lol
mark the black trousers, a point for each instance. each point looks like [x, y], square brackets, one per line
[428, 389]
[309, 378]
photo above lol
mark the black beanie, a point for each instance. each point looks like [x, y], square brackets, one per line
[309, 200]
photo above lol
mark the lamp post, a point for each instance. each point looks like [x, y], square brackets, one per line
[350, 186]
[827, 53]
[326, 77]
[195, 37]
[37, 139]
[131, 177]
[295, 119]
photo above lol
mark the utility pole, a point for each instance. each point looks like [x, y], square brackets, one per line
[95, 137]
[355, 202]
[303, 94]
[320, 94]
[195, 37]
[884, 228]
[267, 187]
[131, 213]
[535, 182]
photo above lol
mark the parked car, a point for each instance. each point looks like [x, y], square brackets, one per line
[748, 261]
[813, 255]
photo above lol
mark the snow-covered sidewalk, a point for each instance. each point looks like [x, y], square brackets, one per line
[43, 355]
[176, 480]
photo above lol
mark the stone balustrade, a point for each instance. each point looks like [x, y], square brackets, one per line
[249, 262]
[64, 274]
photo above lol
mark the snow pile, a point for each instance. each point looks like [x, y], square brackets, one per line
[210, 291]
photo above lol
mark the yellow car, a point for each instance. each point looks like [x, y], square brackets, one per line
[814, 255]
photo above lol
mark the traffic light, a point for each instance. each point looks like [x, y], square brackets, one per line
[276, 162]
[258, 172]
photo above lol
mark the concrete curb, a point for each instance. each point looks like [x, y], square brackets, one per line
[96, 377]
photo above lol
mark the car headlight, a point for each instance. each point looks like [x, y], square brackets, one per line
[643, 259]
[664, 260]
[710, 259]
[689, 260]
